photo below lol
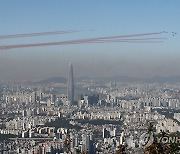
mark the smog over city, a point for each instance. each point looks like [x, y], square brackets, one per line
[89, 77]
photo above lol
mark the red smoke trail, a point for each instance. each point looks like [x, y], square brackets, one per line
[70, 31]
[133, 35]
[36, 34]
[70, 43]
[76, 42]
[95, 40]
[133, 39]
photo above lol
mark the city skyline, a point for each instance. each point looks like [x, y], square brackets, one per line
[36, 117]
[89, 77]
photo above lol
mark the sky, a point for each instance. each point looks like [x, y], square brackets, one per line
[90, 19]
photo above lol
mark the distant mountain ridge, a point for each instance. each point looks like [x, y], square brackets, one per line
[155, 79]
[54, 79]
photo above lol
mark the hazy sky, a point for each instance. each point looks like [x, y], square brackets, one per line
[93, 18]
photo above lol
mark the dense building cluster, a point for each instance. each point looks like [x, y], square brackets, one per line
[103, 116]
[96, 117]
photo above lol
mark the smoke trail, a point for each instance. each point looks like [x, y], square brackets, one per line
[78, 42]
[36, 34]
[119, 38]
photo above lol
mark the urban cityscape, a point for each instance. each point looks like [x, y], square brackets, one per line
[89, 77]
[85, 116]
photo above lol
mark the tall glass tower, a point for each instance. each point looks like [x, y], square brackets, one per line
[70, 87]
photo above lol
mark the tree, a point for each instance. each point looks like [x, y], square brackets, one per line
[158, 147]
[67, 142]
[121, 150]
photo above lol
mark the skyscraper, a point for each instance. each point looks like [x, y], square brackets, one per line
[70, 87]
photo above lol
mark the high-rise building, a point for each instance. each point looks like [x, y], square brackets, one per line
[53, 98]
[87, 143]
[70, 87]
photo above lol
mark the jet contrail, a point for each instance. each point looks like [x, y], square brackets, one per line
[66, 32]
[132, 35]
[120, 38]
[36, 34]
[78, 42]
[73, 42]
